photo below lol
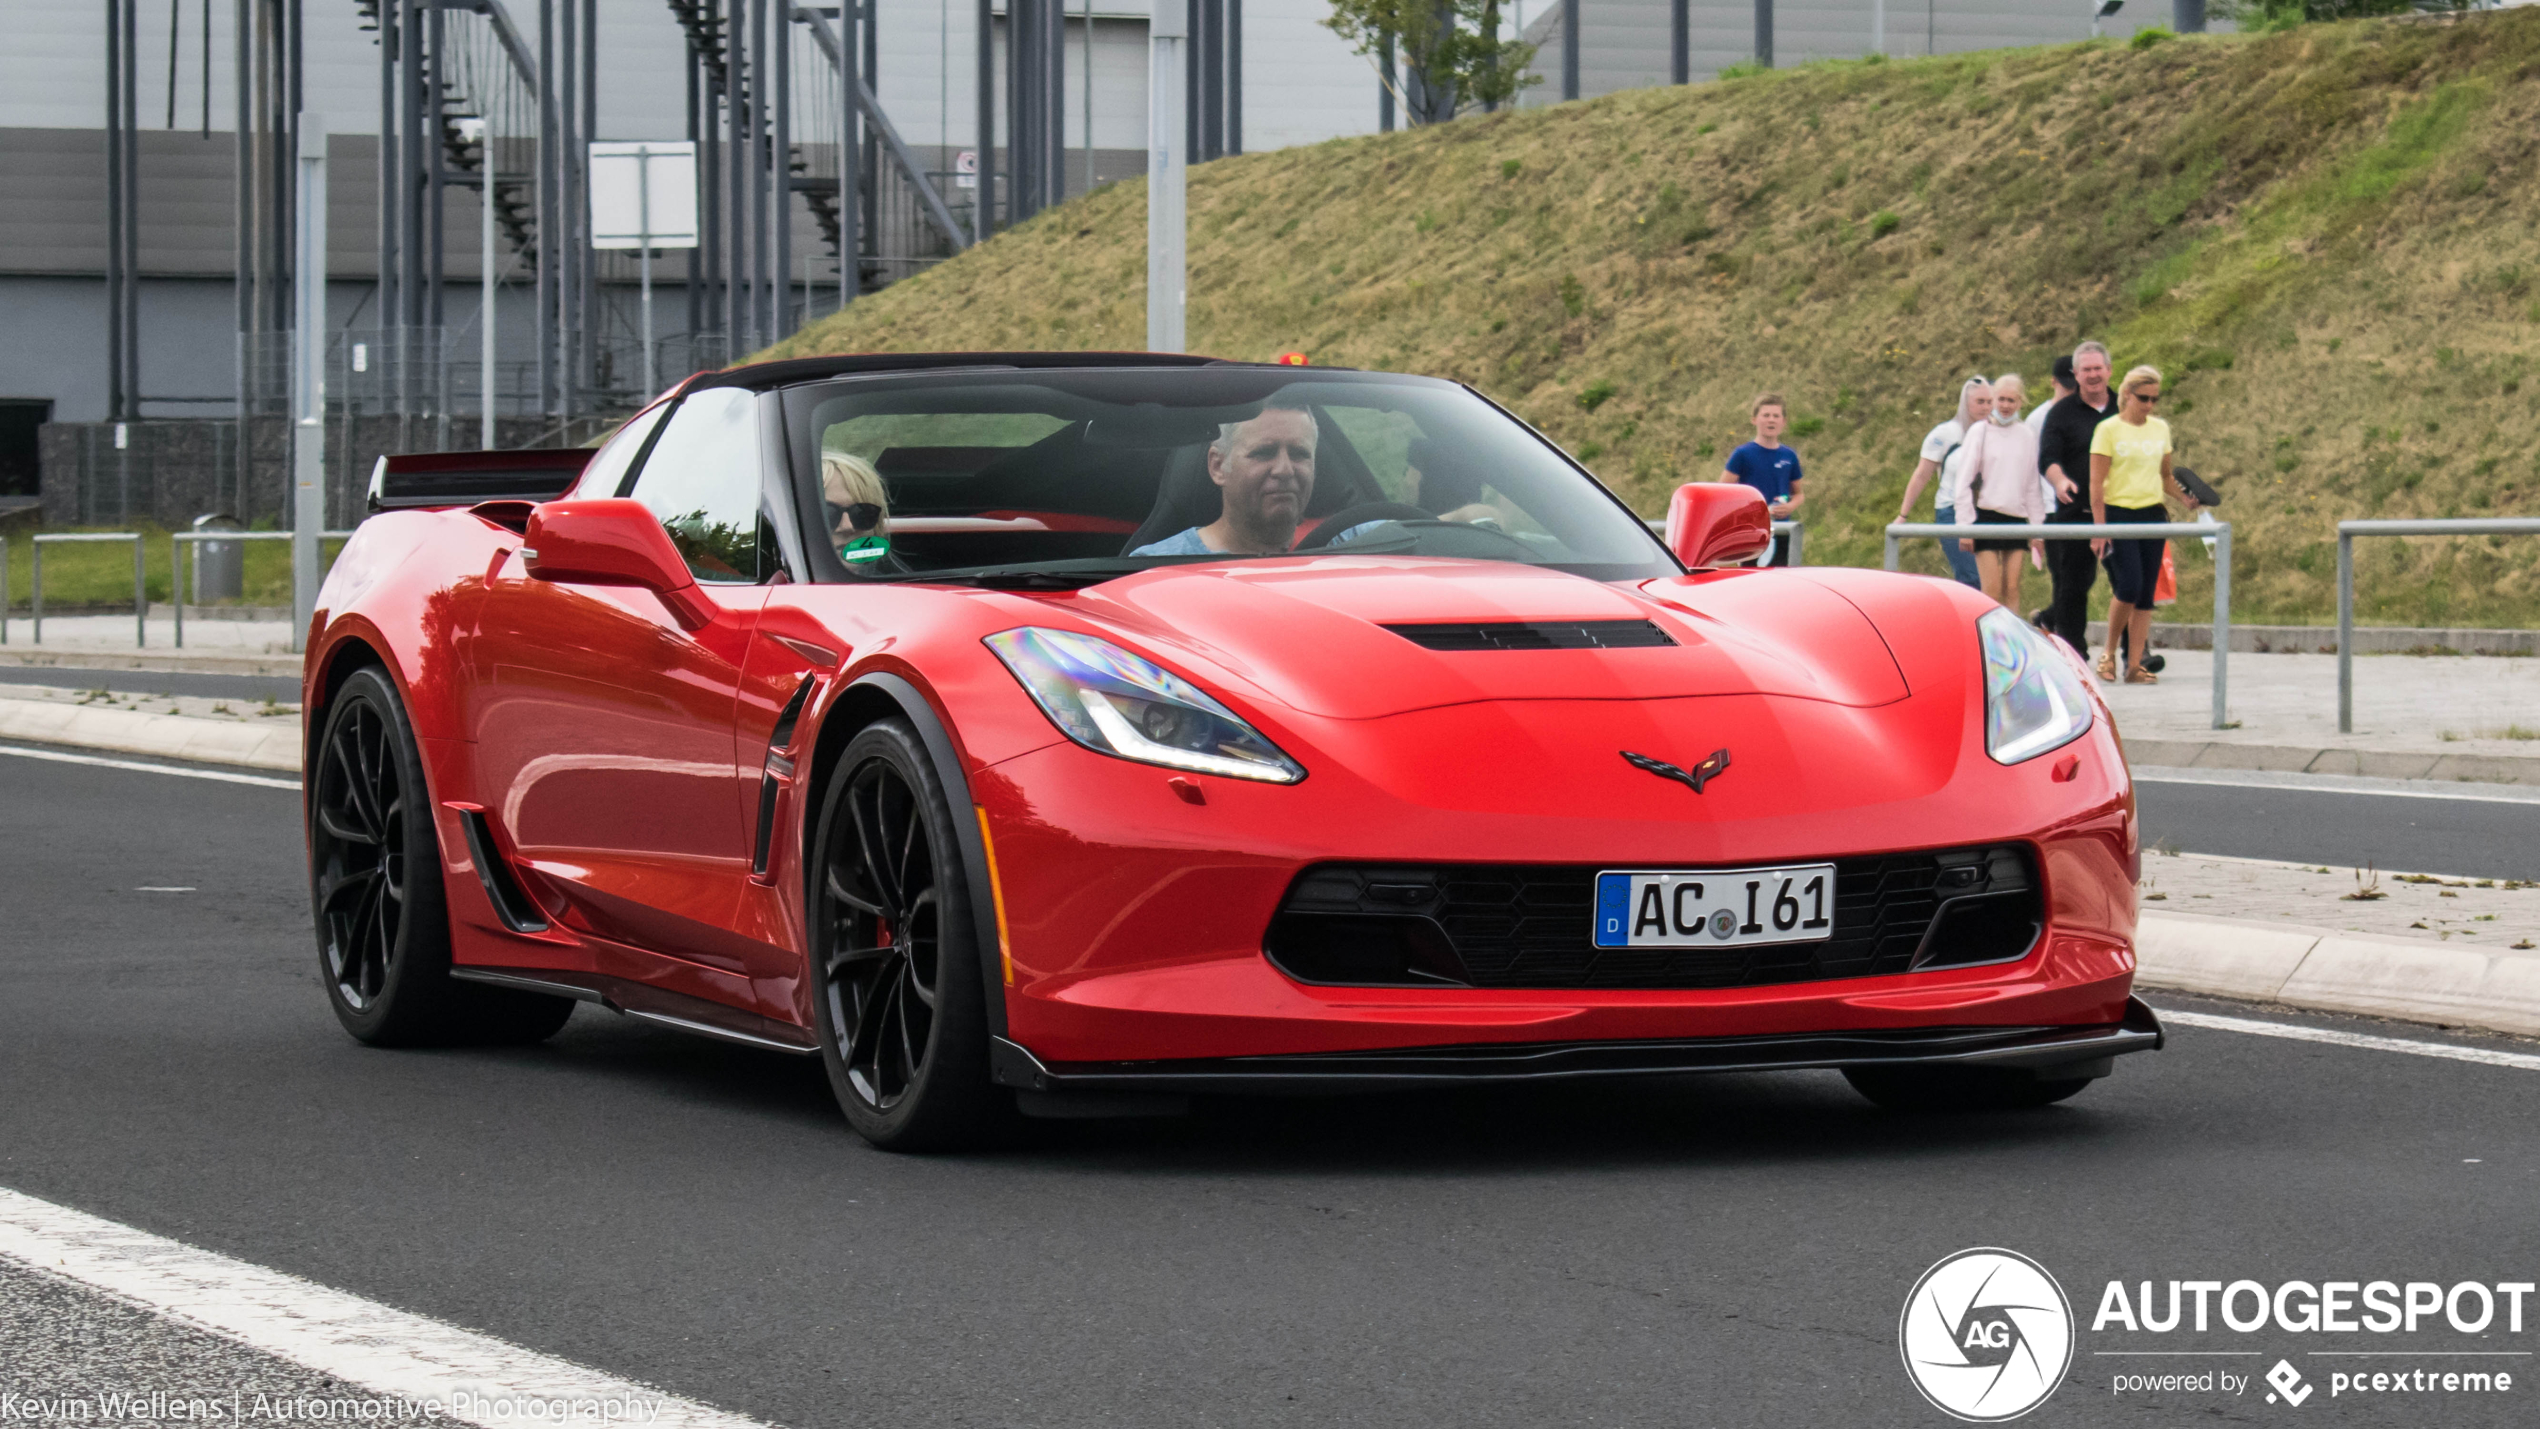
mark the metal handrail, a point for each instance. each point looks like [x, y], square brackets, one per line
[1797, 531]
[2347, 531]
[178, 539]
[2219, 533]
[140, 601]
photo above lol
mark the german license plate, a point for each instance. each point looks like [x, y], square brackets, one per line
[1714, 907]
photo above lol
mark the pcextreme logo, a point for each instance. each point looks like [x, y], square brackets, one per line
[1986, 1335]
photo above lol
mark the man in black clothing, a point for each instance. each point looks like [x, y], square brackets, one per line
[2063, 455]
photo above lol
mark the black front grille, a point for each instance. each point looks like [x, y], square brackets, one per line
[1487, 925]
[1535, 635]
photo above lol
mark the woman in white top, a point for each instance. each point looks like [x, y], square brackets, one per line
[1940, 454]
[1996, 485]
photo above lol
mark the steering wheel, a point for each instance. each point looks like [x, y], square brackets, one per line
[1359, 515]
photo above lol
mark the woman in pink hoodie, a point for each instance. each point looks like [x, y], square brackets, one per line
[1997, 486]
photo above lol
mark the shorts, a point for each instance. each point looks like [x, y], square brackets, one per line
[1996, 518]
[2134, 567]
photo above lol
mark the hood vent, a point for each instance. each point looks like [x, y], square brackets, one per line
[1535, 635]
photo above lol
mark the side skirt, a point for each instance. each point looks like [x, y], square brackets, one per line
[652, 1004]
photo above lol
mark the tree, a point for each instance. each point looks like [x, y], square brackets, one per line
[1452, 56]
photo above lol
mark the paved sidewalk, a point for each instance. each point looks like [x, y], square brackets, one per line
[2444, 717]
[112, 635]
[2492, 913]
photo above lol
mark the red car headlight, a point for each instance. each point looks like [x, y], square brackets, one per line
[1107, 699]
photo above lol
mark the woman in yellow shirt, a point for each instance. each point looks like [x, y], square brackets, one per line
[2129, 470]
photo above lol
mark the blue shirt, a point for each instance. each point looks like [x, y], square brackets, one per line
[1187, 542]
[1770, 470]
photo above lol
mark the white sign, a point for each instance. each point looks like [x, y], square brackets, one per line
[966, 169]
[644, 194]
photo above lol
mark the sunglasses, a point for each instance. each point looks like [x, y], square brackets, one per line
[2148, 399]
[860, 516]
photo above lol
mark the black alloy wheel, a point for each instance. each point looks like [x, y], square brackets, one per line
[375, 875]
[1960, 1089]
[899, 995]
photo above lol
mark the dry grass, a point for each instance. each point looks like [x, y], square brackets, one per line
[2329, 239]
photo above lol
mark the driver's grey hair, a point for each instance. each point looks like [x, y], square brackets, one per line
[2089, 348]
[1224, 446]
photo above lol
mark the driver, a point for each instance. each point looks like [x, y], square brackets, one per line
[1264, 470]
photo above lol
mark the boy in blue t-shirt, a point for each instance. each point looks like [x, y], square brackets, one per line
[1768, 466]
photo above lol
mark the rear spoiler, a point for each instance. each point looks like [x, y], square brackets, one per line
[422, 481]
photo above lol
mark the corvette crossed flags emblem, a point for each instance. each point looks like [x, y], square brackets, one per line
[1713, 765]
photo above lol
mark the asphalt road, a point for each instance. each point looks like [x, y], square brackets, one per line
[283, 689]
[2456, 836]
[1729, 1251]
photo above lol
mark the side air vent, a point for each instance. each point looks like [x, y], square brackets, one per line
[1536, 635]
[782, 737]
[511, 902]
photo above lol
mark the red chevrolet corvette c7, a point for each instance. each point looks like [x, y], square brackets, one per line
[1087, 731]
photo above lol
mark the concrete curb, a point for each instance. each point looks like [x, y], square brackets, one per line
[265, 744]
[2369, 639]
[2419, 981]
[2299, 759]
[154, 658]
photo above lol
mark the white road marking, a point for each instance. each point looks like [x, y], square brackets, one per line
[264, 781]
[2483, 1055]
[2466, 793]
[476, 1378]
[166, 890]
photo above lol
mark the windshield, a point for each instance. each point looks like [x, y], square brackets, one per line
[1064, 477]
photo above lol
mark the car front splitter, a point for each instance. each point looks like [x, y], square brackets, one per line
[2047, 1052]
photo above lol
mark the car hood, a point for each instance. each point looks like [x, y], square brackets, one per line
[1311, 634]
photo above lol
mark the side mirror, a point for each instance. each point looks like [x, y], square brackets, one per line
[612, 541]
[1711, 523]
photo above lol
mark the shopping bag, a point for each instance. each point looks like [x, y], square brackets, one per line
[2165, 590]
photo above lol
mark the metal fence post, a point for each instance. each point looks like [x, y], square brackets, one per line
[1893, 553]
[1798, 539]
[2345, 632]
[35, 589]
[2222, 624]
[176, 578]
[4, 590]
[140, 593]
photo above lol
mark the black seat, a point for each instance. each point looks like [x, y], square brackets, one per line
[1187, 497]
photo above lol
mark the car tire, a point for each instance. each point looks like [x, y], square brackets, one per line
[376, 891]
[898, 998]
[1958, 1089]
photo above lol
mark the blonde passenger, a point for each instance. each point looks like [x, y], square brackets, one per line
[1995, 484]
[859, 509]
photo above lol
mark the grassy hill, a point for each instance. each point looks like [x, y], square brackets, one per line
[2329, 239]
